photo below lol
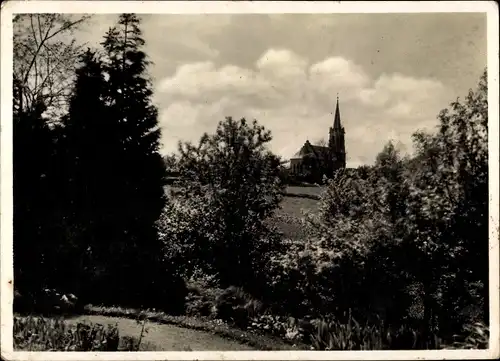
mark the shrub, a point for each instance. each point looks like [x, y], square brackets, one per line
[229, 186]
[201, 300]
[237, 306]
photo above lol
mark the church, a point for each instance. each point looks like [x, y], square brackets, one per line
[314, 161]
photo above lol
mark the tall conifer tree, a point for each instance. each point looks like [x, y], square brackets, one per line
[88, 157]
[139, 168]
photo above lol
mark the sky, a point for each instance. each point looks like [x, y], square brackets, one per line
[393, 73]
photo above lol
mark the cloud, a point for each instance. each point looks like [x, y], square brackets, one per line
[339, 71]
[281, 63]
[295, 100]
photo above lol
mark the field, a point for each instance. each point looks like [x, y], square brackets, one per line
[295, 203]
[293, 208]
[314, 191]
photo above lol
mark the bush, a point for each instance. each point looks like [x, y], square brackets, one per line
[237, 306]
[229, 186]
[201, 299]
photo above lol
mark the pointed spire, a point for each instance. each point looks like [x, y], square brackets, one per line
[336, 123]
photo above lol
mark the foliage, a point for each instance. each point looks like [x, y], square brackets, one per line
[236, 306]
[44, 59]
[45, 54]
[141, 197]
[333, 335]
[476, 336]
[400, 246]
[230, 186]
[171, 163]
[285, 327]
[202, 295]
[41, 334]
[87, 202]
[111, 131]
[449, 206]
[232, 305]
[391, 241]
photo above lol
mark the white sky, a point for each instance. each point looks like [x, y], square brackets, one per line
[394, 73]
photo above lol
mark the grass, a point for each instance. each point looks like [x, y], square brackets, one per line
[206, 324]
[295, 206]
[289, 218]
[312, 191]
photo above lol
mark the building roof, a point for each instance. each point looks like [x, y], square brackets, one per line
[308, 148]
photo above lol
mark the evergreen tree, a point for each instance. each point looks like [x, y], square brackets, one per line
[115, 178]
[129, 100]
[89, 149]
[139, 176]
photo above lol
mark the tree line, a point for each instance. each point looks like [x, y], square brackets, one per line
[88, 186]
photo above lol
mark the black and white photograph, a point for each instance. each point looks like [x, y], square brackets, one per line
[317, 178]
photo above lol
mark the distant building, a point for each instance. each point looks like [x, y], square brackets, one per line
[314, 161]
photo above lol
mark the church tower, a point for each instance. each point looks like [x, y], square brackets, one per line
[336, 142]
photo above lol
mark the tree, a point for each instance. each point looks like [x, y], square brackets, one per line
[129, 100]
[44, 59]
[136, 189]
[230, 186]
[448, 204]
[32, 195]
[89, 149]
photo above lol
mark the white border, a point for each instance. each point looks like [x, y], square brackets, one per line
[193, 7]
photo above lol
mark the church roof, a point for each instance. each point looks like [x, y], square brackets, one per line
[308, 149]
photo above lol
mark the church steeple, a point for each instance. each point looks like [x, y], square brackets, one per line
[337, 141]
[336, 122]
